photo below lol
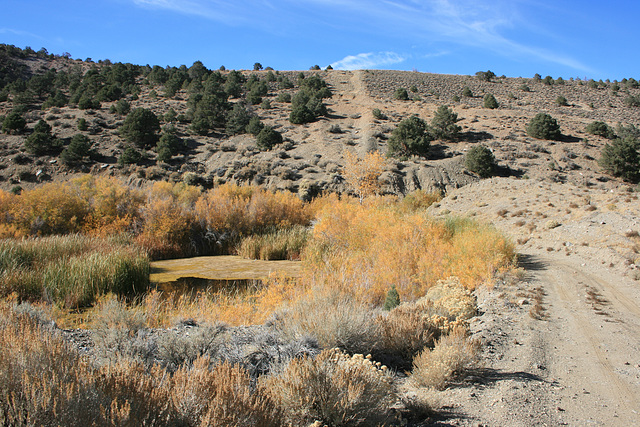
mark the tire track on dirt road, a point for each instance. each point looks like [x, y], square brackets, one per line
[590, 354]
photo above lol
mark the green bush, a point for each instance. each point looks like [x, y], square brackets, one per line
[443, 124]
[237, 120]
[601, 129]
[410, 137]
[632, 101]
[621, 158]
[466, 92]
[490, 101]
[141, 128]
[486, 76]
[255, 126]
[543, 126]
[129, 156]
[82, 124]
[268, 137]
[283, 97]
[377, 114]
[306, 104]
[14, 123]
[76, 151]
[480, 160]
[561, 101]
[401, 94]
[40, 143]
[168, 146]
[392, 300]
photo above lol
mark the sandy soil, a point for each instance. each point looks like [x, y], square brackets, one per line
[562, 344]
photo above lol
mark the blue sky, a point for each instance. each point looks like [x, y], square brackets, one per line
[515, 37]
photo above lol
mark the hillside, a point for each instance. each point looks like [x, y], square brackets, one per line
[312, 155]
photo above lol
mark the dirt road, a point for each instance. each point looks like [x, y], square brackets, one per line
[562, 344]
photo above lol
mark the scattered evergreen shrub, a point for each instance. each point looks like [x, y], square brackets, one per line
[543, 126]
[410, 137]
[480, 160]
[401, 94]
[621, 158]
[268, 137]
[490, 101]
[443, 124]
[601, 129]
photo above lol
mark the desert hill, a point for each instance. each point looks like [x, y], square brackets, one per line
[312, 156]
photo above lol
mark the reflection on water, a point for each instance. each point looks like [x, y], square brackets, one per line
[193, 285]
[227, 267]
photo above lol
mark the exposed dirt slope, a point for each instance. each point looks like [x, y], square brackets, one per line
[312, 157]
[562, 345]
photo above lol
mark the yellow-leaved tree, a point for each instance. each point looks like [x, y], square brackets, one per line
[363, 174]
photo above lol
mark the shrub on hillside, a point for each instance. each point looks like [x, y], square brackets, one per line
[14, 123]
[561, 101]
[168, 146]
[77, 150]
[466, 92]
[129, 156]
[268, 137]
[543, 126]
[379, 115]
[410, 137]
[621, 158]
[443, 124]
[141, 128]
[490, 101]
[601, 129]
[480, 160]
[401, 94]
[486, 76]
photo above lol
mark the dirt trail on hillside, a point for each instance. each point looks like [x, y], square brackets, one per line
[561, 345]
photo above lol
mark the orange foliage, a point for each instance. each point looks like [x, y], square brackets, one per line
[243, 209]
[365, 249]
[363, 174]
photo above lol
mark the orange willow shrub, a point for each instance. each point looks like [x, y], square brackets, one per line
[169, 222]
[55, 208]
[365, 249]
[98, 206]
[242, 210]
[115, 207]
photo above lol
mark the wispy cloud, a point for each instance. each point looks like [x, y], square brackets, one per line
[482, 24]
[369, 60]
[20, 33]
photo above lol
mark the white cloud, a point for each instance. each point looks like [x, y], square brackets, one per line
[480, 24]
[369, 60]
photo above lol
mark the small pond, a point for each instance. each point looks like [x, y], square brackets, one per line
[214, 273]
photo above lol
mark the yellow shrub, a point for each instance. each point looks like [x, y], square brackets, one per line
[365, 249]
[451, 356]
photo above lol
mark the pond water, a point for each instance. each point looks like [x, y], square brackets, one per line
[217, 273]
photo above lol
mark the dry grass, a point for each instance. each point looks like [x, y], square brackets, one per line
[275, 245]
[334, 388]
[43, 381]
[451, 356]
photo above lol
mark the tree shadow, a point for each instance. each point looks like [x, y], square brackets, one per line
[472, 136]
[506, 171]
[531, 263]
[438, 152]
[569, 138]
